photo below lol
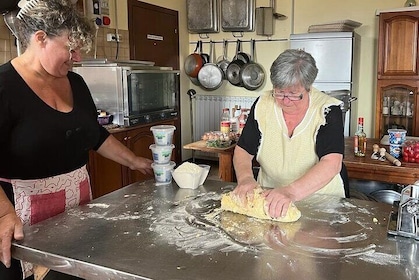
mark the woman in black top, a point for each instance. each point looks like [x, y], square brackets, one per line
[48, 124]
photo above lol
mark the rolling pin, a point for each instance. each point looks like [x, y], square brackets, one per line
[390, 158]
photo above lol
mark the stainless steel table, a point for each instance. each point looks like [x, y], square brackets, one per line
[143, 231]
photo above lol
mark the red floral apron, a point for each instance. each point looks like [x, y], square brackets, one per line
[39, 199]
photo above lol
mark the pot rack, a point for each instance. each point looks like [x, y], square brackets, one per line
[235, 40]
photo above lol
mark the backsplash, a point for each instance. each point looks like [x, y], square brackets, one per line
[104, 49]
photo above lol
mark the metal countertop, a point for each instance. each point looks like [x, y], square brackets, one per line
[143, 231]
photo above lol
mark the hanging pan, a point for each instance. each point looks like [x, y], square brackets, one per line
[252, 75]
[224, 61]
[194, 62]
[211, 76]
[233, 69]
[205, 56]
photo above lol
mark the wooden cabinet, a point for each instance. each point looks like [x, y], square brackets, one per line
[153, 34]
[398, 45]
[397, 73]
[107, 175]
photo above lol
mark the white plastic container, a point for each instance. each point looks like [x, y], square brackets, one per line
[163, 172]
[163, 134]
[161, 154]
[190, 175]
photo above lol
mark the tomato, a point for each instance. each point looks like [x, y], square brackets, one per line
[416, 145]
[411, 159]
[416, 150]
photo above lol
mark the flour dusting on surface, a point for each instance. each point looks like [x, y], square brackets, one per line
[99, 205]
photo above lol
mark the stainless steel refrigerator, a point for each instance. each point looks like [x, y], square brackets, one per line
[337, 58]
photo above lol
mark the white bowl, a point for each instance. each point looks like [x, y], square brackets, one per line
[190, 175]
[161, 154]
[206, 169]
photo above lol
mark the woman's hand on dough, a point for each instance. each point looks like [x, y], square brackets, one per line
[244, 190]
[277, 202]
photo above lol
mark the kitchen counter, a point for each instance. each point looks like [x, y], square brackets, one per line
[146, 232]
[366, 168]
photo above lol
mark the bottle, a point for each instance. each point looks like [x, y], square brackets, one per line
[225, 121]
[234, 121]
[360, 139]
[243, 119]
[385, 106]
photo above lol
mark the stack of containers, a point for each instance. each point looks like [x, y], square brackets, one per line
[162, 153]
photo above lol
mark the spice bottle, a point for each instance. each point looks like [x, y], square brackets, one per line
[360, 139]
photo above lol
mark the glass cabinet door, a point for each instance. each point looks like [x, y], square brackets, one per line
[397, 109]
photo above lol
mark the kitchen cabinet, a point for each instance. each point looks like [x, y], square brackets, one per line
[398, 45]
[397, 72]
[107, 175]
[397, 106]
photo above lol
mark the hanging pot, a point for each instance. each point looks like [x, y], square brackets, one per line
[252, 74]
[205, 56]
[211, 76]
[193, 63]
[233, 69]
[195, 81]
[224, 62]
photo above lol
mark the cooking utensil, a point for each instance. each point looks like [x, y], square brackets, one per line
[195, 81]
[386, 196]
[211, 76]
[233, 69]
[224, 62]
[404, 216]
[237, 15]
[252, 74]
[194, 62]
[191, 93]
[204, 56]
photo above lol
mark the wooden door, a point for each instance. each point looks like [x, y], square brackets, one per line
[153, 34]
[398, 45]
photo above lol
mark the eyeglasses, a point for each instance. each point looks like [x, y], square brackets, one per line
[291, 97]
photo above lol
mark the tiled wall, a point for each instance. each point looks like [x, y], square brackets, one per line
[104, 49]
[8, 48]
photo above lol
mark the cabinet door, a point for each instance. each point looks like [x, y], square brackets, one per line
[153, 34]
[139, 141]
[398, 45]
[396, 107]
[105, 174]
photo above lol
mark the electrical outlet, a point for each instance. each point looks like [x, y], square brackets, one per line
[111, 37]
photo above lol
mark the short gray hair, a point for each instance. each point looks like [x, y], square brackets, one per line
[55, 17]
[293, 68]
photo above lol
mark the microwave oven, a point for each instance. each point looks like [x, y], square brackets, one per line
[132, 92]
